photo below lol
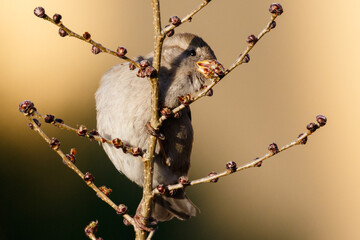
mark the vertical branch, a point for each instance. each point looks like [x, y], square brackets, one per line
[159, 37]
[148, 159]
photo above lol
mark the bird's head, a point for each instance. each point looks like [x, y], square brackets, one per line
[180, 75]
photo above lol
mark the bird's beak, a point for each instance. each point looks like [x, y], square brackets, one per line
[211, 68]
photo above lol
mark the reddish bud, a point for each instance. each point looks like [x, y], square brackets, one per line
[122, 209]
[213, 174]
[231, 166]
[73, 151]
[276, 9]
[89, 178]
[39, 12]
[117, 143]
[312, 127]
[49, 118]
[141, 73]
[175, 20]
[126, 149]
[57, 18]
[105, 190]
[54, 143]
[273, 148]
[126, 222]
[246, 59]
[136, 151]
[144, 63]
[95, 50]
[251, 40]
[132, 66]
[304, 140]
[121, 51]
[185, 100]
[161, 188]
[170, 33]
[37, 122]
[27, 107]
[272, 25]
[62, 32]
[31, 126]
[91, 228]
[183, 180]
[87, 36]
[102, 140]
[71, 157]
[150, 72]
[211, 68]
[321, 119]
[259, 163]
[166, 112]
[82, 131]
[59, 120]
[93, 133]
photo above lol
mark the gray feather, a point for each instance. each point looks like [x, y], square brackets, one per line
[123, 109]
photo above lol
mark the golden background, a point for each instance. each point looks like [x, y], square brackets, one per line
[308, 65]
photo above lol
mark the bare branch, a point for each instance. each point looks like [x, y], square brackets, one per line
[97, 47]
[212, 69]
[82, 131]
[145, 204]
[231, 166]
[28, 109]
[243, 58]
[159, 37]
[186, 18]
[91, 229]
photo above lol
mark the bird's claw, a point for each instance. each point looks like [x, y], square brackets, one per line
[154, 132]
[139, 219]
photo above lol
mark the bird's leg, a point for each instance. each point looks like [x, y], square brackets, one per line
[139, 219]
[163, 153]
[154, 132]
[160, 137]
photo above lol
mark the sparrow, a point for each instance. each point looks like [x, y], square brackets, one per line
[123, 105]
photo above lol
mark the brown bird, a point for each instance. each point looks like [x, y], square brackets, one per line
[123, 110]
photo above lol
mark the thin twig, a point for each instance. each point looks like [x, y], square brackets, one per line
[91, 229]
[255, 163]
[83, 132]
[72, 166]
[186, 18]
[92, 42]
[250, 46]
[151, 234]
[217, 79]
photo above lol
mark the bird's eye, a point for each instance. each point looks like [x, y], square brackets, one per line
[192, 52]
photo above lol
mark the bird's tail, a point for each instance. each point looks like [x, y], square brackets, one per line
[178, 205]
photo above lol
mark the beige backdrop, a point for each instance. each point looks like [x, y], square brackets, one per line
[307, 66]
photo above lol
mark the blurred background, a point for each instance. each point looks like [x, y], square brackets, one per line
[308, 65]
